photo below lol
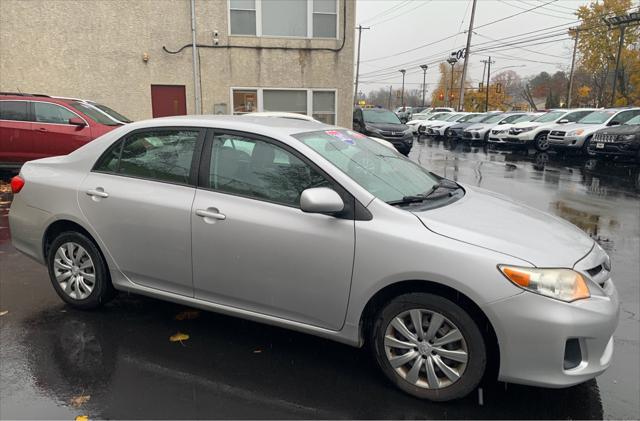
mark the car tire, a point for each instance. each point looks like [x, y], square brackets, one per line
[79, 272]
[585, 147]
[540, 142]
[452, 378]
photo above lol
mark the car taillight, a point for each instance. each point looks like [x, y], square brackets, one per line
[17, 183]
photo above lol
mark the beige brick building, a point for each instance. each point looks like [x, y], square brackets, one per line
[264, 55]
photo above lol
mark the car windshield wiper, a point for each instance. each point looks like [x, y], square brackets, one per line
[428, 195]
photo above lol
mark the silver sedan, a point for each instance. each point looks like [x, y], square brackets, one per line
[322, 230]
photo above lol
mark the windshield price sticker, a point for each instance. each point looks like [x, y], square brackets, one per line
[342, 136]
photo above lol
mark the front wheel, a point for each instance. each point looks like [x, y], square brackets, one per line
[541, 142]
[78, 271]
[429, 347]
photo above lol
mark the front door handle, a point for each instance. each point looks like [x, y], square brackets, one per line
[42, 129]
[211, 213]
[98, 192]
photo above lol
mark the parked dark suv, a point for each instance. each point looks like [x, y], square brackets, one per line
[621, 141]
[38, 126]
[383, 124]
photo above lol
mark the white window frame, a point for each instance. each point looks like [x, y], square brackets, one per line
[309, 91]
[258, 12]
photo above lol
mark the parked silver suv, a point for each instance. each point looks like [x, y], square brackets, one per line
[321, 229]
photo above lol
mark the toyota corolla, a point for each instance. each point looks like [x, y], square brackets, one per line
[322, 230]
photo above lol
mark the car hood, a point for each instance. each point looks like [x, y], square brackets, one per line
[621, 130]
[481, 126]
[588, 128]
[495, 222]
[414, 122]
[530, 124]
[388, 127]
[462, 125]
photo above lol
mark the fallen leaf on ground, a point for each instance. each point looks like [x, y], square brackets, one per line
[82, 418]
[188, 315]
[2, 313]
[179, 337]
[77, 401]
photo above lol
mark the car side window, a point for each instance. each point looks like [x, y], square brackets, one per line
[14, 110]
[573, 117]
[625, 116]
[52, 113]
[160, 155]
[260, 170]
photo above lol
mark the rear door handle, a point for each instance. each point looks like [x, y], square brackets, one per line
[98, 192]
[42, 129]
[211, 213]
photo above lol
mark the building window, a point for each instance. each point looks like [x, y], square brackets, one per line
[325, 18]
[319, 104]
[304, 18]
[324, 106]
[245, 101]
[242, 17]
[287, 101]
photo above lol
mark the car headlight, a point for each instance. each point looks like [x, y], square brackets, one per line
[435, 127]
[408, 131]
[372, 129]
[628, 137]
[525, 129]
[577, 132]
[561, 284]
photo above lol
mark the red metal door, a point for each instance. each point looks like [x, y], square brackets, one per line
[168, 100]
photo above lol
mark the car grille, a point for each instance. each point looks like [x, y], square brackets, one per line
[467, 135]
[605, 138]
[392, 134]
[557, 133]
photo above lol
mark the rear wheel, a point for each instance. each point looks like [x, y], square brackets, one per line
[78, 271]
[429, 347]
[541, 142]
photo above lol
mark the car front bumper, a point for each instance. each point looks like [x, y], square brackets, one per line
[619, 149]
[537, 335]
[570, 142]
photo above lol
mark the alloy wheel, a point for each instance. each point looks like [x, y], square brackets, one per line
[74, 270]
[542, 142]
[426, 349]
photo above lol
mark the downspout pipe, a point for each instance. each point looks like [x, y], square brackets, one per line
[196, 62]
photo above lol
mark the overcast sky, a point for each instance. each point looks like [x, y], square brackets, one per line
[400, 25]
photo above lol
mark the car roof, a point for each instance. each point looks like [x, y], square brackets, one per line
[30, 97]
[285, 125]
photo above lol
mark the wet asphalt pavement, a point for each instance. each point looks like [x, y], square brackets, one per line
[122, 358]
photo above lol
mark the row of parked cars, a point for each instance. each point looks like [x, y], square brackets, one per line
[611, 132]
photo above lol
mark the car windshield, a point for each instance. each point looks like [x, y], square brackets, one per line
[93, 113]
[494, 118]
[420, 116]
[380, 116]
[453, 117]
[634, 120]
[384, 173]
[549, 117]
[112, 112]
[439, 116]
[523, 118]
[477, 118]
[597, 117]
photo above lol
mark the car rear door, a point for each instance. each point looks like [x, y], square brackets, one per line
[16, 135]
[138, 200]
[254, 248]
[53, 135]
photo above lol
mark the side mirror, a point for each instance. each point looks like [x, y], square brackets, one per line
[321, 200]
[563, 121]
[76, 121]
[502, 122]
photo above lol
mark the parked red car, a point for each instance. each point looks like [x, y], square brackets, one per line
[37, 126]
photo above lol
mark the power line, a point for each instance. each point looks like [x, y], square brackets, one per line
[401, 14]
[516, 14]
[535, 12]
[399, 6]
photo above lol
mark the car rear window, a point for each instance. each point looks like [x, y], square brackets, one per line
[14, 110]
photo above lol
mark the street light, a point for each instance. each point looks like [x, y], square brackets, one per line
[452, 61]
[622, 22]
[403, 71]
[424, 68]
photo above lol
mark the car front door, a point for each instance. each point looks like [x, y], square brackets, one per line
[16, 132]
[53, 135]
[254, 248]
[138, 200]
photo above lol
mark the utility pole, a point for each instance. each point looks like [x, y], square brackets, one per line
[390, 92]
[573, 62]
[452, 61]
[355, 92]
[466, 57]
[424, 68]
[196, 62]
[621, 22]
[403, 71]
[486, 97]
[484, 71]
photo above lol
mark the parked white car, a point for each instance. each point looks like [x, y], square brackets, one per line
[434, 119]
[480, 131]
[418, 118]
[534, 133]
[576, 136]
[498, 133]
[437, 129]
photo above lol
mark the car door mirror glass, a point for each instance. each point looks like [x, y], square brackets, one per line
[614, 123]
[563, 121]
[321, 200]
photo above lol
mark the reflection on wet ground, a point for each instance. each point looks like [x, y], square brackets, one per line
[230, 368]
